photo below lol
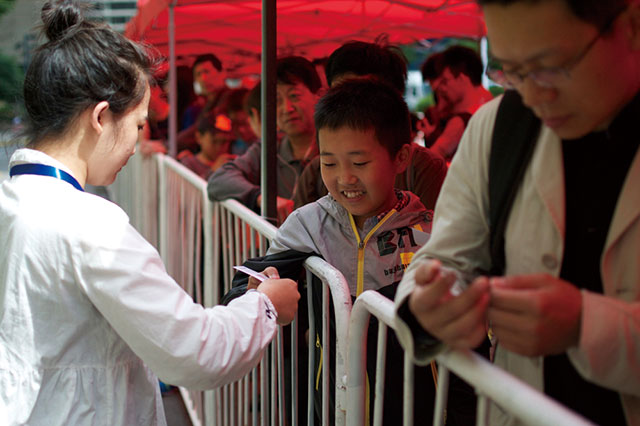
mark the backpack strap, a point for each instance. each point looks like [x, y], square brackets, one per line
[515, 134]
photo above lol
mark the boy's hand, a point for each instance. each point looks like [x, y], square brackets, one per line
[458, 321]
[284, 295]
[535, 315]
[269, 271]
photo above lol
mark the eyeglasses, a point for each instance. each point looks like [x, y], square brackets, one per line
[544, 77]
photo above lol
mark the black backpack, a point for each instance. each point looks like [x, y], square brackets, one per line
[514, 139]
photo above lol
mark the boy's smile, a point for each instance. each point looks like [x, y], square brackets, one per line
[358, 171]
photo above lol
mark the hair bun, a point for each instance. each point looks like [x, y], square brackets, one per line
[60, 15]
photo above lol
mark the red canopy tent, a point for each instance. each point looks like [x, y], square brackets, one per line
[232, 29]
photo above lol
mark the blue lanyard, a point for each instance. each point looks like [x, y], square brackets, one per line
[44, 170]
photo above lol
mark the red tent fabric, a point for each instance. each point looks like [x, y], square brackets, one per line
[231, 28]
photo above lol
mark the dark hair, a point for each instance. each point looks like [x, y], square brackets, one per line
[82, 63]
[459, 60]
[233, 100]
[596, 12]
[361, 58]
[366, 103]
[209, 122]
[253, 99]
[208, 57]
[296, 69]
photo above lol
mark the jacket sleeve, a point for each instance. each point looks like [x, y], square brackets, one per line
[182, 342]
[460, 232]
[238, 179]
[609, 343]
[429, 171]
[306, 190]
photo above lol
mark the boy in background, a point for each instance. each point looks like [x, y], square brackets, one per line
[213, 134]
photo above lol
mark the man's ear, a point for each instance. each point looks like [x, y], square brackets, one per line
[98, 116]
[403, 156]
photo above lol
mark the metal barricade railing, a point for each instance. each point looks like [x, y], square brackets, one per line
[200, 242]
[491, 383]
[136, 191]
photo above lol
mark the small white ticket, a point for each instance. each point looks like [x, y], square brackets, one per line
[258, 275]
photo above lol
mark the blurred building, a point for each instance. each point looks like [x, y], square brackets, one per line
[115, 12]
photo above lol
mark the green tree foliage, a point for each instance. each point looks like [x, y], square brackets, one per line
[6, 5]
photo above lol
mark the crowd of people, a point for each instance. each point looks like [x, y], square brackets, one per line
[514, 230]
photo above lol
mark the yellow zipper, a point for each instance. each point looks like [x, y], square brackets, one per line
[361, 246]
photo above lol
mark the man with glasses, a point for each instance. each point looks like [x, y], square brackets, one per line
[566, 313]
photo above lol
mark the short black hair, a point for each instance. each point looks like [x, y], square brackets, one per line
[596, 12]
[253, 99]
[361, 58]
[459, 60]
[296, 69]
[208, 57]
[363, 104]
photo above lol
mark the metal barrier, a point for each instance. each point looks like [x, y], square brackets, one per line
[200, 243]
[491, 383]
[136, 191]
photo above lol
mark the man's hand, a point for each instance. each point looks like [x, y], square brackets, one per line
[148, 147]
[222, 159]
[535, 315]
[284, 295]
[458, 321]
[284, 207]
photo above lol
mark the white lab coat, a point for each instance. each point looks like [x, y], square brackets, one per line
[88, 313]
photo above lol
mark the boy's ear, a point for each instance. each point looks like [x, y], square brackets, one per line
[98, 116]
[402, 158]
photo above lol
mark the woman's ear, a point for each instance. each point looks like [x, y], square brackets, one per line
[98, 116]
[402, 158]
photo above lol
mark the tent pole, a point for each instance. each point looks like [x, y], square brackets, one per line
[268, 165]
[173, 91]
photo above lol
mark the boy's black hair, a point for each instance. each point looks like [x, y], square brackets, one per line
[459, 60]
[296, 69]
[252, 100]
[361, 58]
[363, 104]
[208, 57]
[596, 12]
[82, 63]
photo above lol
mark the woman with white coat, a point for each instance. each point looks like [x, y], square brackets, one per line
[88, 314]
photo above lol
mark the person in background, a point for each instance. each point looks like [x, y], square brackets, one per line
[89, 313]
[232, 105]
[208, 85]
[455, 77]
[252, 107]
[214, 133]
[425, 172]
[565, 311]
[297, 88]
